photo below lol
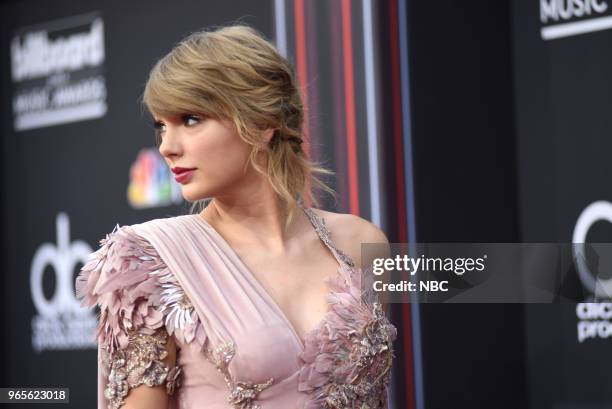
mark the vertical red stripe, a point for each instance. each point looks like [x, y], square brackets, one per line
[398, 145]
[336, 84]
[400, 189]
[302, 73]
[300, 56]
[311, 21]
[349, 96]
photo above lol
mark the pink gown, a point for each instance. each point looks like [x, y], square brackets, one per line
[177, 277]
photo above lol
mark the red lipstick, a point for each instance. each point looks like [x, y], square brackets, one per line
[182, 175]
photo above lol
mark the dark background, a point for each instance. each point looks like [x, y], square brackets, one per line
[465, 163]
[510, 141]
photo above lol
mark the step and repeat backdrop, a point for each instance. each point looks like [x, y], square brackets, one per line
[79, 158]
[563, 105]
[444, 122]
[79, 154]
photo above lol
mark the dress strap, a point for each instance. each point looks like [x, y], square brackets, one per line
[324, 234]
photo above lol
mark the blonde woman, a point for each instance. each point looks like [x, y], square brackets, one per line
[254, 300]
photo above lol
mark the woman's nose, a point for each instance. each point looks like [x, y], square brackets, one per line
[170, 143]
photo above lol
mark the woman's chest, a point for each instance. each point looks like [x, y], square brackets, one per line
[259, 365]
[253, 355]
[298, 287]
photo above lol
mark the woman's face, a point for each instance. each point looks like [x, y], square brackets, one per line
[211, 147]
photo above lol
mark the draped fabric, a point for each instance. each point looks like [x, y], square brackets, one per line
[177, 277]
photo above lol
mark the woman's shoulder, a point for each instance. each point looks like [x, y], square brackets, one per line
[125, 263]
[125, 278]
[349, 231]
[123, 258]
[135, 291]
[353, 227]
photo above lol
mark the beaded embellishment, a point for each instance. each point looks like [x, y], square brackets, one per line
[242, 394]
[325, 235]
[125, 277]
[354, 349]
[372, 356]
[141, 362]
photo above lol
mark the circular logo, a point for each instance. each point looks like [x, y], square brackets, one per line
[596, 211]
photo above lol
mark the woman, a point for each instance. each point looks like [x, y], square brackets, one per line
[251, 302]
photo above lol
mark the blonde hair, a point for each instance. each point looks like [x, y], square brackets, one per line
[233, 73]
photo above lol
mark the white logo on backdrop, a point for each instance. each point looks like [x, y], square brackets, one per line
[556, 10]
[564, 15]
[594, 318]
[61, 323]
[58, 78]
[596, 211]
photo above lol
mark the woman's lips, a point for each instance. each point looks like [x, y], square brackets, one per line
[184, 177]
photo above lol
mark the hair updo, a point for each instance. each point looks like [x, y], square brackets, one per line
[234, 73]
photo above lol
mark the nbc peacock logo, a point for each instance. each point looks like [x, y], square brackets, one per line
[151, 183]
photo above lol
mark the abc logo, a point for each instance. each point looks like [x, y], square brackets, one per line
[62, 257]
[596, 211]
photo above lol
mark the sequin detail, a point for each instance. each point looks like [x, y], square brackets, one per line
[370, 358]
[181, 317]
[140, 363]
[242, 394]
[325, 235]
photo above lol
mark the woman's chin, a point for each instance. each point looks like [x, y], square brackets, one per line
[193, 195]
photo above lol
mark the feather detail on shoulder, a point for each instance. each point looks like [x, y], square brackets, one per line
[135, 291]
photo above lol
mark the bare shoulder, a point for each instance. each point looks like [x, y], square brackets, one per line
[349, 231]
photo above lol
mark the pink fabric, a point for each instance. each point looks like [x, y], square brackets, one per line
[230, 305]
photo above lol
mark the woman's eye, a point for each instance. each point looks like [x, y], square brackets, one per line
[159, 127]
[190, 120]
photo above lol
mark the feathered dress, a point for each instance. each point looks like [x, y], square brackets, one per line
[177, 277]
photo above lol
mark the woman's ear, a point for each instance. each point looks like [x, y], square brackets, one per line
[268, 134]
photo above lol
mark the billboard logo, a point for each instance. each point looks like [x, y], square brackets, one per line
[57, 72]
[60, 323]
